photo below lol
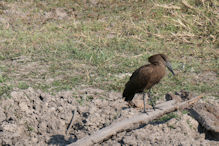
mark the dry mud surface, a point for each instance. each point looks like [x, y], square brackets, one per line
[31, 117]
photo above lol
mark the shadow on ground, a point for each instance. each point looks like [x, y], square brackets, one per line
[60, 140]
[209, 135]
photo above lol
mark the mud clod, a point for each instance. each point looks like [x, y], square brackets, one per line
[32, 117]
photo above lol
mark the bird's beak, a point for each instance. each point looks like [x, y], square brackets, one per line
[168, 65]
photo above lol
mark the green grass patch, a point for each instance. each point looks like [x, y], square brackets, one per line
[22, 85]
[166, 118]
[5, 90]
[76, 42]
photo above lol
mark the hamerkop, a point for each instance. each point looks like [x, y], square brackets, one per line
[146, 77]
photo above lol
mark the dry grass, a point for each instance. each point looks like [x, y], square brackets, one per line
[75, 42]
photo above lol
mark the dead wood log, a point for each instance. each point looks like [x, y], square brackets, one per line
[142, 118]
[207, 115]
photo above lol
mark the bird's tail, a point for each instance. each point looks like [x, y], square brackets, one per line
[129, 91]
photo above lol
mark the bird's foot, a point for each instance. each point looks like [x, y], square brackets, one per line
[145, 112]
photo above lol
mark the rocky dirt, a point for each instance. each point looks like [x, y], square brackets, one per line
[31, 117]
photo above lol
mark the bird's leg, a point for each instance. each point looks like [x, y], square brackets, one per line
[144, 101]
[149, 95]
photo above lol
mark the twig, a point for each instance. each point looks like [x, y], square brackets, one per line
[72, 119]
[180, 23]
[185, 3]
[168, 6]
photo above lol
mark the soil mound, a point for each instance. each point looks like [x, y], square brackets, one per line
[31, 117]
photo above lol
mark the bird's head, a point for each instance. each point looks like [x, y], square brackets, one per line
[157, 58]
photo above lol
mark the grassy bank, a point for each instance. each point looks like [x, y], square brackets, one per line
[58, 45]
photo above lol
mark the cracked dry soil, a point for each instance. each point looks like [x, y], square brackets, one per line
[31, 117]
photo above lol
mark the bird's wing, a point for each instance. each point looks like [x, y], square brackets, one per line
[142, 76]
[135, 73]
[139, 79]
[143, 70]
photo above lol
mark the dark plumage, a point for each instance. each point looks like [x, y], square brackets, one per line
[146, 77]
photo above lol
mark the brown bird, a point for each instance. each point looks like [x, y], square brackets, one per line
[146, 77]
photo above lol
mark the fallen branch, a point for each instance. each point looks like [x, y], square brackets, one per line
[207, 115]
[142, 118]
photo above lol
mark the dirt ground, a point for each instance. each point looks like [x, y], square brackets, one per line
[31, 117]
